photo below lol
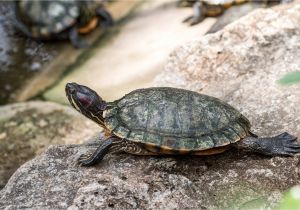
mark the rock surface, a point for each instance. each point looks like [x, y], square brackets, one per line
[54, 181]
[239, 64]
[26, 129]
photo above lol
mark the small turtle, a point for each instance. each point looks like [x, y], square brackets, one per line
[60, 19]
[163, 120]
[214, 8]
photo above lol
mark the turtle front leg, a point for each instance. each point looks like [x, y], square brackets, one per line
[76, 40]
[281, 145]
[112, 144]
[105, 17]
[199, 12]
[98, 155]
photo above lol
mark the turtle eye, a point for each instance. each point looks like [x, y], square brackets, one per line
[85, 100]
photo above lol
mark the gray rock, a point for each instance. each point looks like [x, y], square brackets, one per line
[54, 181]
[26, 129]
[239, 64]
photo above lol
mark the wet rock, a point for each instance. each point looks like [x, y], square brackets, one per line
[26, 129]
[240, 65]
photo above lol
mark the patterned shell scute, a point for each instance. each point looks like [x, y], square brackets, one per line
[177, 119]
[48, 17]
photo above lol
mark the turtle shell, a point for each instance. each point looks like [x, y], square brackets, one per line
[45, 18]
[216, 7]
[170, 120]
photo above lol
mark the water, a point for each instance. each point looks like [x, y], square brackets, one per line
[21, 58]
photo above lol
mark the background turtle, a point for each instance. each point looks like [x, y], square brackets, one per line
[214, 8]
[60, 19]
[163, 120]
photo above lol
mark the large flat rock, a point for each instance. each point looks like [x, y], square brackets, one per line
[54, 181]
[27, 129]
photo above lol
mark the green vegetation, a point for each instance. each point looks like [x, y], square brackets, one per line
[290, 78]
[291, 200]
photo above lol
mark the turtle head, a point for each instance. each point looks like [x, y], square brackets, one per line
[86, 101]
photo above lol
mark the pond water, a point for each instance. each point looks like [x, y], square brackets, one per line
[20, 57]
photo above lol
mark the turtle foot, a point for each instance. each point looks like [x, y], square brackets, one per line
[76, 40]
[284, 144]
[290, 145]
[85, 160]
[198, 14]
[97, 156]
[192, 20]
[106, 18]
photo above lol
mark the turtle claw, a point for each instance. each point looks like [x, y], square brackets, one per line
[83, 158]
[293, 146]
[187, 19]
[290, 146]
[97, 156]
[282, 145]
[192, 20]
[291, 151]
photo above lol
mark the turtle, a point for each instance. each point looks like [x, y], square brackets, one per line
[60, 19]
[214, 8]
[171, 121]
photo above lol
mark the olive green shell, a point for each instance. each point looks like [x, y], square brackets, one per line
[44, 18]
[175, 119]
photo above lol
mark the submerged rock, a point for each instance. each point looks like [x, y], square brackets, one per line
[240, 65]
[27, 129]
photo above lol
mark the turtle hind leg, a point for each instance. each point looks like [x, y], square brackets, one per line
[281, 145]
[105, 17]
[76, 40]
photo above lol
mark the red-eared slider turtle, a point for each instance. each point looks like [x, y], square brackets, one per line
[214, 8]
[165, 120]
[60, 19]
